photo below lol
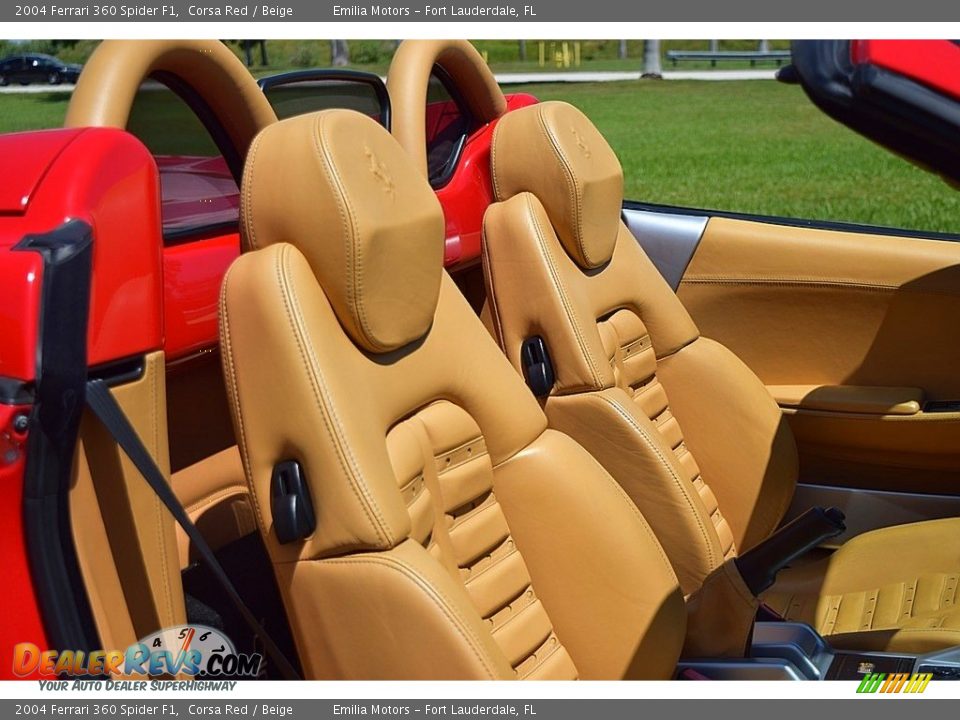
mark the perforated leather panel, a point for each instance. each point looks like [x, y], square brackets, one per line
[446, 477]
[926, 602]
[631, 355]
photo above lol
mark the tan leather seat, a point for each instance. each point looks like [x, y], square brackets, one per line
[684, 426]
[456, 535]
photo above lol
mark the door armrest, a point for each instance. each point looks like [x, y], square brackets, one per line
[860, 399]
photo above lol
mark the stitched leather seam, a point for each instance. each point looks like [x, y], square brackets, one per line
[459, 447]
[674, 351]
[434, 594]
[620, 410]
[462, 463]
[491, 292]
[571, 180]
[158, 508]
[475, 513]
[493, 163]
[495, 564]
[233, 385]
[534, 603]
[542, 661]
[217, 496]
[348, 463]
[561, 291]
[618, 490]
[350, 225]
[812, 282]
[248, 192]
[347, 219]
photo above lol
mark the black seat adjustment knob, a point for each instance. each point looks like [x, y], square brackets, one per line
[537, 368]
[290, 503]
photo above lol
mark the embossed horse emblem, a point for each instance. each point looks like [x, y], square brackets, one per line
[379, 170]
[581, 143]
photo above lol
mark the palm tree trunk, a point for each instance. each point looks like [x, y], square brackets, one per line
[651, 59]
[340, 52]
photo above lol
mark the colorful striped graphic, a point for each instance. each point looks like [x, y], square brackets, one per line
[895, 683]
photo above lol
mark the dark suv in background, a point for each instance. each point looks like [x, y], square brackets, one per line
[27, 69]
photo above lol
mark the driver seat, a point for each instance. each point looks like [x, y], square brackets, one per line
[451, 534]
[688, 430]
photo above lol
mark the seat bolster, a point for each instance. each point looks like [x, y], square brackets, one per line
[528, 277]
[737, 434]
[394, 615]
[288, 402]
[612, 428]
[598, 568]
[894, 589]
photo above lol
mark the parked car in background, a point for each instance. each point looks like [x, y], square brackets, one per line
[36, 68]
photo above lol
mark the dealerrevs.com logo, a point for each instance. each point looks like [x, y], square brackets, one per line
[195, 651]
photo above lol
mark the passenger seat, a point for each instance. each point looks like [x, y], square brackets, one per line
[687, 429]
[450, 533]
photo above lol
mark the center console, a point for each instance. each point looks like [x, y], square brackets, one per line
[795, 651]
[782, 650]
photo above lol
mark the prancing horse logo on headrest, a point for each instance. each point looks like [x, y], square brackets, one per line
[581, 144]
[379, 170]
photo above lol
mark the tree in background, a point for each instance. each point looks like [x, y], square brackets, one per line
[651, 59]
[340, 53]
[247, 46]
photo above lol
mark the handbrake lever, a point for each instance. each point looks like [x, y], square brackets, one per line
[759, 566]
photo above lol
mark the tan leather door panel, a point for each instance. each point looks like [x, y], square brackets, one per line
[822, 308]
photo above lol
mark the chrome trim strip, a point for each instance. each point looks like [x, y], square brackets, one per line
[669, 240]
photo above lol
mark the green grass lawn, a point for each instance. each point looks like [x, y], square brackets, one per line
[756, 146]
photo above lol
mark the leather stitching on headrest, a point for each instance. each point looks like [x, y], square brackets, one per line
[248, 228]
[348, 222]
[571, 177]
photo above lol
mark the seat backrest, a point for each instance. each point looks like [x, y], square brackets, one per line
[684, 426]
[456, 536]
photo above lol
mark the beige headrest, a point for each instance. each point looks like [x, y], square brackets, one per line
[553, 151]
[337, 186]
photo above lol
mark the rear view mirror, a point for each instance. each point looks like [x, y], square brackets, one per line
[305, 91]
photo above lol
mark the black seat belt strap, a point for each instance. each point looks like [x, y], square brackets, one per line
[111, 415]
